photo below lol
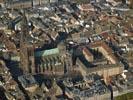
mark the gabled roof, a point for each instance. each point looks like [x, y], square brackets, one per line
[47, 52]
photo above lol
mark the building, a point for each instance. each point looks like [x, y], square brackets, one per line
[105, 71]
[2, 3]
[39, 2]
[26, 50]
[53, 1]
[95, 91]
[105, 50]
[86, 7]
[28, 82]
[88, 55]
[10, 46]
[27, 59]
[17, 4]
[49, 62]
[10, 86]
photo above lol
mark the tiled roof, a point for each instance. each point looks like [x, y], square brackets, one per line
[106, 48]
[87, 51]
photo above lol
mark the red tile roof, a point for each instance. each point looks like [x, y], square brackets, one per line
[108, 50]
[87, 51]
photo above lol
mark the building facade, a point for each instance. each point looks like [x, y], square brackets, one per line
[49, 62]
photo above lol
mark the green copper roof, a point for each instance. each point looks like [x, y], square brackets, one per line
[15, 58]
[47, 52]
